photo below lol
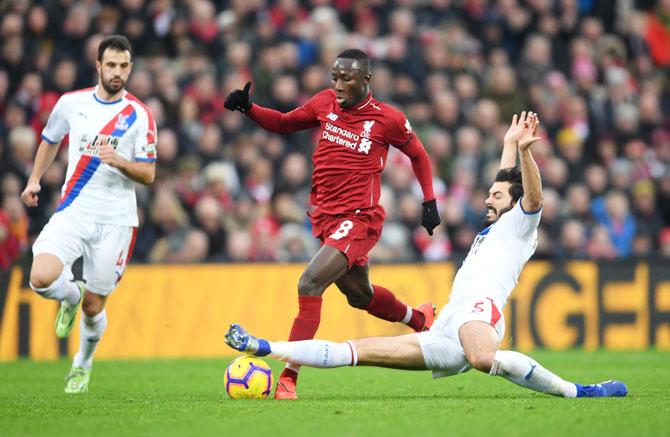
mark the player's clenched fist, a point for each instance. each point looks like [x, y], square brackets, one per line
[430, 218]
[29, 195]
[108, 155]
[239, 99]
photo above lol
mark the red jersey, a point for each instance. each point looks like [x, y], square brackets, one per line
[352, 149]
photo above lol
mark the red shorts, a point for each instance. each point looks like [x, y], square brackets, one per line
[352, 234]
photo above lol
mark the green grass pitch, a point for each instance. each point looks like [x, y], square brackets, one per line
[186, 397]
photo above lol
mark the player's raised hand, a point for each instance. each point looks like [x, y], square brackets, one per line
[29, 195]
[430, 218]
[529, 133]
[239, 99]
[515, 130]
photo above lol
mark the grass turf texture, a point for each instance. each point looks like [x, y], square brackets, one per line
[187, 397]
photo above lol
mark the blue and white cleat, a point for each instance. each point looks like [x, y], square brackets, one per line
[605, 389]
[239, 339]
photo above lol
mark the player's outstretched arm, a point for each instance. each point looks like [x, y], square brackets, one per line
[511, 140]
[530, 173]
[269, 119]
[46, 153]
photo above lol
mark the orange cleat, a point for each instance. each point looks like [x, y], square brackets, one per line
[286, 389]
[428, 310]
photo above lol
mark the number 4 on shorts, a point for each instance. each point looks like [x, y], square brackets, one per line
[119, 262]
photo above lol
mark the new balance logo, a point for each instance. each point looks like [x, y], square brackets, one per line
[331, 117]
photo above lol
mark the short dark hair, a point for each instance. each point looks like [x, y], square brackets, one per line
[358, 55]
[513, 176]
[114, 42]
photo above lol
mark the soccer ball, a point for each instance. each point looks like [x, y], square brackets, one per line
[248, 377]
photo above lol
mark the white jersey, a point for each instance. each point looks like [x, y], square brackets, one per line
[497, 256]
[95, 191]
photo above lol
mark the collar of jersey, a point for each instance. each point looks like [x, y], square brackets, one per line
[487, 230]
[365, 103]
[104, 102]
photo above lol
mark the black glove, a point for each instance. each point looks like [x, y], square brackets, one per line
[239, 99]
[430, 218]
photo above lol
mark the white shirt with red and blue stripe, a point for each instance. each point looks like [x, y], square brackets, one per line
[95, 191]
[497, 256]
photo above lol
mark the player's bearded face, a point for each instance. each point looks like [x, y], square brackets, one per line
[114, 70]
[350, 81]
[498, 202]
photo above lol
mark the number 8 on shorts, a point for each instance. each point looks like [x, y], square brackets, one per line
[343, 230]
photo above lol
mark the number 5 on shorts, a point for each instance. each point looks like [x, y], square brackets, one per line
[343, 230]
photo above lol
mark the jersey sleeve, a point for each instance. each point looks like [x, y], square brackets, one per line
[57, 125]
[399, 131]
[523, 223]
[300, 118]
[400, 135]
[146, 138]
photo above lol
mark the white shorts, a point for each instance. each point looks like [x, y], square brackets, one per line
[441, 345]
[106, 248]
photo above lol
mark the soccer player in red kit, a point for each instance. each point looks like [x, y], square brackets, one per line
[356, 131]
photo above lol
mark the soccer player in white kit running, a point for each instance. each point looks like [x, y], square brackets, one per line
[112, 144]
[468, 331]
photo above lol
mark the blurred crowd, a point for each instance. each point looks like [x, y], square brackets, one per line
[596, 71]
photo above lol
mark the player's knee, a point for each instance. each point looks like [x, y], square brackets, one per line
[308, 285]
[40, 280]
[481, 360]
[91, 307]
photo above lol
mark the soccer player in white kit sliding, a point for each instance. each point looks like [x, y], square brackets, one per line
[468, 331]
[112, 144]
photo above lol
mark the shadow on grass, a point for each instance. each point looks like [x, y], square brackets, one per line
[411, 397]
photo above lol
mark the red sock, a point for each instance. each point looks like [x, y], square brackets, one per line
[417, 320]
[305, 325]
[386, 306]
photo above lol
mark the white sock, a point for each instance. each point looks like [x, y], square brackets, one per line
[315, 353]
[90, 332]
[524, 371]
[60, 289]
